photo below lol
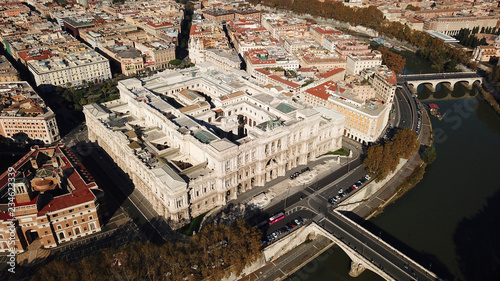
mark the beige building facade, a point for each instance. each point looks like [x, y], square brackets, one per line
[53, 201]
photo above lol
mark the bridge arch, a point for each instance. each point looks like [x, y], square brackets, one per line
[449, 80]
[468, 83]
[358, 262]
[478, 82]
[446, 84]
[421, 85]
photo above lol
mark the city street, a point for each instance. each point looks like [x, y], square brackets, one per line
[312, 204]
[286, 265]
[118, 186]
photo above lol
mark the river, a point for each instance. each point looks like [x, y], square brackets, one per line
[448, 222]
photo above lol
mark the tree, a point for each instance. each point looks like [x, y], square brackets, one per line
[215, 252]
[175, 62]
[429, 155]
[389, 161]
[373, 158]
[392, 60]
[406, 142]
[83, 101]
[451, 65]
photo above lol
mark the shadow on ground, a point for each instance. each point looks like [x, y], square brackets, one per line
[424, 259]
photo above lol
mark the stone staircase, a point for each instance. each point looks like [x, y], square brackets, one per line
[34, 253]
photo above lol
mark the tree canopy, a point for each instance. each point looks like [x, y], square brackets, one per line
[383, 159]
[215, 252]
[429, 155]
[392, 60]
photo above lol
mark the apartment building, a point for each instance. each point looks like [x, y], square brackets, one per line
[319, 33]
[127, 57]
[7, 72]
[13, 9]
[157, 53]
[346, 47]
[357, 63]
[278, 24]
[23, 114]
[365, 100]
[270, 58]
[71, 66]
[105, 35]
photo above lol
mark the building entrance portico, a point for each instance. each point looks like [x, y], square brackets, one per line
[31, 235]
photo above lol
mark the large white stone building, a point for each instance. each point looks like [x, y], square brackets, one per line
[187, 164]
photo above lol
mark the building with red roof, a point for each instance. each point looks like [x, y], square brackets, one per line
[319, 33]
[365, 100]
[48, 195]
[276, 58]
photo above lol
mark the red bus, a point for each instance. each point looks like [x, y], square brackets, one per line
[277, 217]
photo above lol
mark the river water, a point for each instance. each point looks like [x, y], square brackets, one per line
[449, 221]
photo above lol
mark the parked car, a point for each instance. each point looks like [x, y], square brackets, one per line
[299, 220]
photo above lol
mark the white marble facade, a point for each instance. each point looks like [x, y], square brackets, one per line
[187, 165]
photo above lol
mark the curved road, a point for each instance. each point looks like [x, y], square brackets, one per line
[312, 205]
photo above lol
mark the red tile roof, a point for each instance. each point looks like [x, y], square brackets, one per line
[320, 91]
[393, 78]
[82, 190]
[159, 24]
[5, 217]
[284, 81]
[253, 57]
[332, 72]
[327, 31]
[194, 30]
[263, 71]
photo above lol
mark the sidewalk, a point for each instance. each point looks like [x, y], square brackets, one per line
[282, 187]
[288, 264]
[386, 190]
